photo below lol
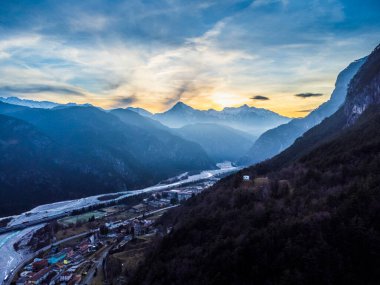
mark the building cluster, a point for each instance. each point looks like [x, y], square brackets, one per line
[61, 266]
[170, 197]
[70, 264]
[134, 227]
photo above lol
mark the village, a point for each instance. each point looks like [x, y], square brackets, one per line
[81, 245]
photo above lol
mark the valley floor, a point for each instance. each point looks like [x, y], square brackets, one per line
[26, 224]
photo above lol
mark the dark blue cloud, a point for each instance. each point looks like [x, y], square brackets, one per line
[146, 21]
[175, 20]
[291, 22]
[265, 22]
[308, 95]
[126, 100]
[153, 48]
[260, 97]
[37, 88]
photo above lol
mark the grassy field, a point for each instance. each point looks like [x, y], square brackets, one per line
[133, 254]
[81, 218]
[72, 231]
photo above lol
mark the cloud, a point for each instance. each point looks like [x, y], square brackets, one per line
[37, 88]
[220, 50]
[129, 100]
[260, 97]
[177, 96]
[259, 3]
[308, 95]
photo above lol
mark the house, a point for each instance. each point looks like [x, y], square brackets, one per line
[114, 225]
[246, 178]
[75, 280]
[65, 277]
[83, 246]
[172, 194]
[195, 190]
[40, 264]
[69, 251]
[184, 195]
[156, 204]
[165, 201]
[39, 277]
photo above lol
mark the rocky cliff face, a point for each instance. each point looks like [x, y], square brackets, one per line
[364, 89]
[278, 139]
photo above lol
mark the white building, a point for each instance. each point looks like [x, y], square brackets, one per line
[184, 195]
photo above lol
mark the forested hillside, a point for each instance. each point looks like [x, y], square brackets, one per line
[308, 219]
[72, 152]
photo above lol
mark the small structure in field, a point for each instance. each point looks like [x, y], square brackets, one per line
[246, 178]
[138, 208]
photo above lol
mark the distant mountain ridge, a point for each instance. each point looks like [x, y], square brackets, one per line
[276, 140]
[251, 120]
[248, 119]
[140, 111]
[37, 104]
[47, 155]
[221, 143]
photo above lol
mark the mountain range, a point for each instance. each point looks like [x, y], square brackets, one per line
[309, 215]
[208, 136]
[237, 127]
[220, 142]
[69, 151]
[56, 154]
[251, 120]
[37, 104]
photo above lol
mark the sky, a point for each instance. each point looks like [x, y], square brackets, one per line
[282, 55]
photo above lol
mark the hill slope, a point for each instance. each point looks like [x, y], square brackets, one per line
[24, 158]
[220, 142]
[312, 221]
[91, 152]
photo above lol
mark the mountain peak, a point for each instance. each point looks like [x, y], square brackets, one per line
[140, 111]
[181, 106]
[242, 107]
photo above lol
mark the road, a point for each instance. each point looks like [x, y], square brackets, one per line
[97, 266]
[9, 257]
